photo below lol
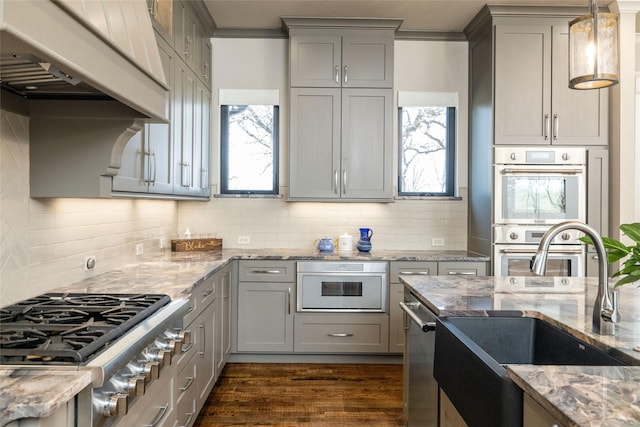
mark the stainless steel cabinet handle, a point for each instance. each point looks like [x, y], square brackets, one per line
[207, 293]
[289, 301]
[187, 385]
[344, 181]
[204, 339]
[154, 163]
[160, 416]
[546, 126]
[266, 271]
[338, 74]
[205, 70]
[415, 273]
[461, 273]
[335, 181]
[153, 8]
[340, 335]
[346, 74]
[555, 126]
[187, 348]
[425, 326]
[189, 417]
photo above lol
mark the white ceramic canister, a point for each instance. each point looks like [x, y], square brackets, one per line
[345, 242]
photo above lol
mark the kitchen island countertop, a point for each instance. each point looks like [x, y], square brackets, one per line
[574, 395]
[175, 274]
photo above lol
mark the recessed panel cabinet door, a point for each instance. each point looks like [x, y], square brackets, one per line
[367, 61]
[366, 144]
[315, 61]
[314, 152]
[522, 84]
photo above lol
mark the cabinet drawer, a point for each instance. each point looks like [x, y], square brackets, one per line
[267, 271]
[462, 268]
[351, 333]
[202, 295]
[185, 383]
[422, 268]
[186, 412]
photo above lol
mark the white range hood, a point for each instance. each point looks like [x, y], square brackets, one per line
[83, 50]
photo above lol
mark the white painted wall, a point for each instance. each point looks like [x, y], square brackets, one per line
[276, 223]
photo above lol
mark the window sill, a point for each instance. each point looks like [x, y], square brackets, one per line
[247, 196]
[452, 198]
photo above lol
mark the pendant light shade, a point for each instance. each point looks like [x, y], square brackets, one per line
[593, 50]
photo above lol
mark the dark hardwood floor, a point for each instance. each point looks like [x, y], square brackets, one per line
[256, 394]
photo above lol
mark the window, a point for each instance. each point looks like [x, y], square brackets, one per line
[249, 149]
[426, 142]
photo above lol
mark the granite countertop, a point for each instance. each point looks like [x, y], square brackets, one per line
[37, 393]
[574, 395]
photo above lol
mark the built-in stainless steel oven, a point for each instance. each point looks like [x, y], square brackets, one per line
[326, 286]
[517, 244]
[539, 185]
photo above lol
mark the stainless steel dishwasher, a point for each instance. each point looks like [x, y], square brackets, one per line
[420, 390]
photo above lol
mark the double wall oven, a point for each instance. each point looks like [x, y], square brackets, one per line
[534, 189]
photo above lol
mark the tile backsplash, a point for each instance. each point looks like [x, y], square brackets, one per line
[44, 242]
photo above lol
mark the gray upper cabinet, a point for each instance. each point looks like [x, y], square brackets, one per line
[347, 59]
[341, 144]
[533, 103]
[341, 75]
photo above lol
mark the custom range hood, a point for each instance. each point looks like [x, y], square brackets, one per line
[82, 50]
[89, 75]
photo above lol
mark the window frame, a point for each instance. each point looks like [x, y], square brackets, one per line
[450, 155]
[224, 152]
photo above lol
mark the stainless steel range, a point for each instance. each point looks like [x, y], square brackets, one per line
[124, 339]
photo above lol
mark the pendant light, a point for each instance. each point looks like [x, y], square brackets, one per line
[593, 50]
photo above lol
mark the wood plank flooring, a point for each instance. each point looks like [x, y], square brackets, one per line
[257, 394]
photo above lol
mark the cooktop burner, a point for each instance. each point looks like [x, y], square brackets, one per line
[69, 328]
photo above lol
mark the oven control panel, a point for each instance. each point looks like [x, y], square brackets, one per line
[532, 235]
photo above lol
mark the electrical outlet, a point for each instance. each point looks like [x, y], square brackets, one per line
[437, 241]
[163, 243]
[89, 262]
[139, 249]
[243, 240]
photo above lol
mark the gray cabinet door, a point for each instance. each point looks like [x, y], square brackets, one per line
[366, 144]
[533, 102]
[340, 145]
[367, 61]
[522, 84]
[315, 61]
[265, 317]
[314, 151]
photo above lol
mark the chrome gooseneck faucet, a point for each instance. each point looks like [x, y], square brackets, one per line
[605, 307]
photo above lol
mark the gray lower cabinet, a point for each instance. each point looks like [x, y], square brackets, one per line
[396, 295]
[420, 268]
[265, 306]
[342, 333]
[196, 364]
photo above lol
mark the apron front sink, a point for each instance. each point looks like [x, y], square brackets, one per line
[470, 354]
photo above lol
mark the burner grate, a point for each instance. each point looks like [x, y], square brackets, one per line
[70, 328]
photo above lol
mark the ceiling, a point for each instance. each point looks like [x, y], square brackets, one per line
[417, 15]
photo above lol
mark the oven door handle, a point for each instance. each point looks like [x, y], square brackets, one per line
[559, 171]
[529, 251]
[425, 326]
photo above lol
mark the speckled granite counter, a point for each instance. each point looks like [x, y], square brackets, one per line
[33, 393]
[574, 395]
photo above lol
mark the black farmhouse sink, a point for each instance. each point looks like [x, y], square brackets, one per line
[470, 353]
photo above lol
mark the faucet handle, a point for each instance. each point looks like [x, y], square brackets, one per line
[615, 314]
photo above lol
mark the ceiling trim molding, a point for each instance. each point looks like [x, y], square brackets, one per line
[249, 33]
[289, 22]
[431, 36]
